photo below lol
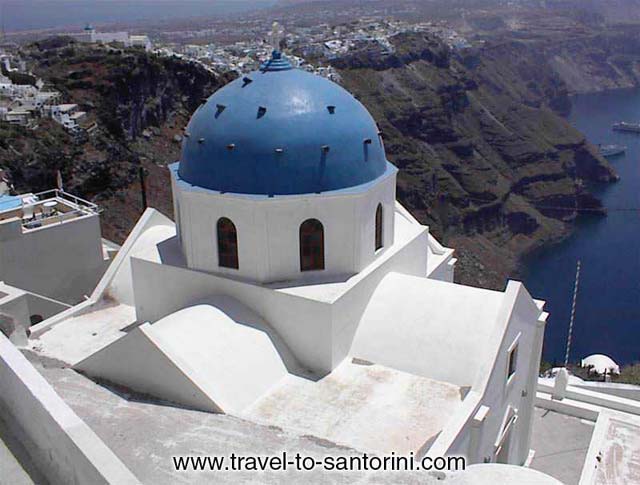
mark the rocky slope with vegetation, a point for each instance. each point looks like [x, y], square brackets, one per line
[600, 60]
[140, 103]
[483, 158]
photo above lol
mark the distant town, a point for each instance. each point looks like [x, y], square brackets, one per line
[24, 98]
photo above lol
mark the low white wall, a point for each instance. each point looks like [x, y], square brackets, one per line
[627, 391]
[593, 458]
[568, 407]
[519, 318]
[595, 398]
[60, 444]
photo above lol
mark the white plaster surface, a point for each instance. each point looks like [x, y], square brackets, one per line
[430, 328]
[13, 470]
[500, 474]
[82, 335]
[60, 261]
[145, 436]
[321, 288]
[366, 407]
[619, 452]
[215, 356]
[60, 444]
[560, 443]
[152, 229]
[268, 228]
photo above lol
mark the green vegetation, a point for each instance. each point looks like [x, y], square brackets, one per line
[125, 92]
[478, 146]
[629, 374]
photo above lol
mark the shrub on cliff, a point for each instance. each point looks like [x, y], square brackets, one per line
[629, 374]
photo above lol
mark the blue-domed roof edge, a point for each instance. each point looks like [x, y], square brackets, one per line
[390, 171]
[281, 132]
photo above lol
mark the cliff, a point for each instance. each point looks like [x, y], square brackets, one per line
[140, 103]
[608, 58]
[483, 158]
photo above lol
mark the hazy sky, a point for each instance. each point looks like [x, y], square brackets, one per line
[42, 14]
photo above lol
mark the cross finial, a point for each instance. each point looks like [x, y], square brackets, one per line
[277, 34]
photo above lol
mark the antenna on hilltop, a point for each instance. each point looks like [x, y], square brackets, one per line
[573, 315]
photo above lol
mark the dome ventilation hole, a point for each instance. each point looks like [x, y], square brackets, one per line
[200, 140]
[246, 81]
[331, 109]
[279, 150]
[220, 109]
[261, 111]
[231, 146]
[368, 141]
[325, 148]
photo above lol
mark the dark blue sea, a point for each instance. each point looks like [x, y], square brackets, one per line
[608, 305]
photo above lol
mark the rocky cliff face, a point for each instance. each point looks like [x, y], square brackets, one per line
[606, 59]
[140, 103]
[483, 159]
[586, 57]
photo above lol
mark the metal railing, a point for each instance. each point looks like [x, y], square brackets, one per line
[45, 216]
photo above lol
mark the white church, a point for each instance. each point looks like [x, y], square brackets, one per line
[295, 291]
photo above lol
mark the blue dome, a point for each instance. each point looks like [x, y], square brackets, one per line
[281, 131]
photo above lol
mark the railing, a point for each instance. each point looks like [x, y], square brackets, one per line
[63, 196]
[79, 207]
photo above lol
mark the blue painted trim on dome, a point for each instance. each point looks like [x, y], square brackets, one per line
[390, 171]
[295, 144]
[278, 62]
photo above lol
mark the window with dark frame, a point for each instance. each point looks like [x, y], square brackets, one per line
[379, 240]
[513, 362]
[227, 244]
[311, 245]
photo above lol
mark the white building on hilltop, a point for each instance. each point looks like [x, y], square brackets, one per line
[295, 291]
[92, 36]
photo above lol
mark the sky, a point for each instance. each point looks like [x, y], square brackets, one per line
[42, 14]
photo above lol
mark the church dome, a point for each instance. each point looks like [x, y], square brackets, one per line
[281, 131]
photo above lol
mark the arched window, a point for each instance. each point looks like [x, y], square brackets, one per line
[227, 244]
[379, 239]
[311, 245]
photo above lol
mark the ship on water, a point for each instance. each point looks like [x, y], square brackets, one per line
[610, 151]
[625, 126]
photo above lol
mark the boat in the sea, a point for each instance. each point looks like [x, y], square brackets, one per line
[612, 150]
[625, 126]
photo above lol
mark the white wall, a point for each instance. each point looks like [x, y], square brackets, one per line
[61, 445]
[303, 324]
[268, 229]
[318, 332]
[14, 305]
[520, 318]
[61, 261]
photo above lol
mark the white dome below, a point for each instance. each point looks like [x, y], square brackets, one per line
[602, 364]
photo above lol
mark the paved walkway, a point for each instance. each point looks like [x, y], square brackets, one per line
[561, 443]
